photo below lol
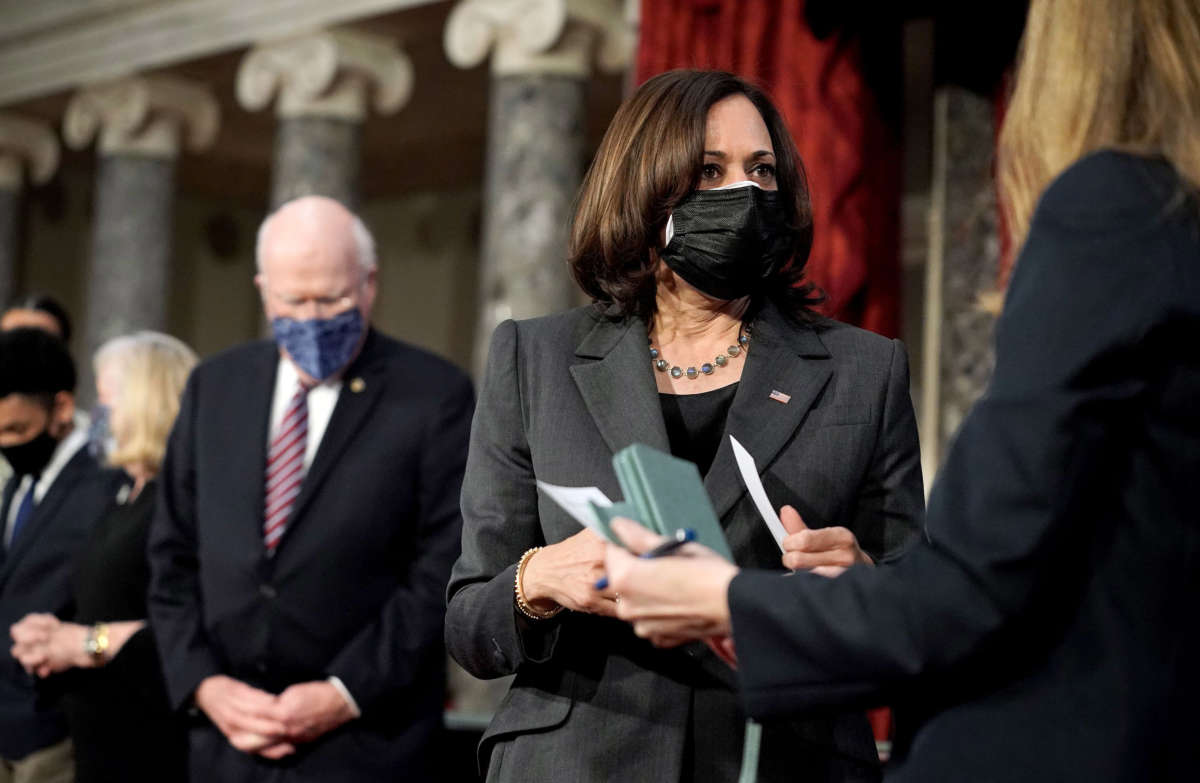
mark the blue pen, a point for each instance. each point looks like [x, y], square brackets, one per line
[682, 536]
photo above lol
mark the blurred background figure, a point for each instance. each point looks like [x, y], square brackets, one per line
[39, 311]
[308, 520]
[48, 509]
[115, 701]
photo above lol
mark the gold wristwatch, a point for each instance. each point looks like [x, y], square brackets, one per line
[96, 643]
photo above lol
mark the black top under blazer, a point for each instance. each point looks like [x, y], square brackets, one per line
[355, 588]
[1046, 629]
[561, 395]
[35, 576]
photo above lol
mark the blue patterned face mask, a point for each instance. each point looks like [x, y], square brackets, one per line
[100, 437]
[320, 346]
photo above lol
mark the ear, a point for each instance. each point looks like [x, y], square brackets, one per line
[260, 282]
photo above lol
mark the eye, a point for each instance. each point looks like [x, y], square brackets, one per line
[710, 171]
[763, 171]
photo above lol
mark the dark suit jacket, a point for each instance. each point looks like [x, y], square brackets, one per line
[1046, 629]
[354, 589]
[592, 702]
[35, 576]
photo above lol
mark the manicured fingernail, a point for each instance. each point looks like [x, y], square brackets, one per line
[602, 583]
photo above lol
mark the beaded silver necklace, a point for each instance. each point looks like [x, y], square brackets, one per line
[707, 368]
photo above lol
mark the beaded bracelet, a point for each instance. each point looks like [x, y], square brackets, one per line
[519, 592]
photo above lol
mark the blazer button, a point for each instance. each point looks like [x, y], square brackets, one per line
[261, 667]
[267, 591]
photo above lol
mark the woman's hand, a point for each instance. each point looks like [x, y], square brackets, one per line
[44, 645]
[827, 551]
[565, 574]
[674, 599]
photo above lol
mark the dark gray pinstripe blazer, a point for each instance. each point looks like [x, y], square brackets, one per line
[592, 702]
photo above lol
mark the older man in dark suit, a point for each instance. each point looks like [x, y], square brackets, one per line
[308, 519]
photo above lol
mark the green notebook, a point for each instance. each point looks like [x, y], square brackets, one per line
[665, 494]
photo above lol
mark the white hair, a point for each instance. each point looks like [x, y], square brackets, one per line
[364, 243]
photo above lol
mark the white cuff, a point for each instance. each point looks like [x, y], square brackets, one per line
[342, 689]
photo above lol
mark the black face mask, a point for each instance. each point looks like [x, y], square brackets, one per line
[728, 243]
[32, 457]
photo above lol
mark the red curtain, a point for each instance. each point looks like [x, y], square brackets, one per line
[852, 158]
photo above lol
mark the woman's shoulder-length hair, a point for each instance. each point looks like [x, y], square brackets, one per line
[650, 158]
[151, 370]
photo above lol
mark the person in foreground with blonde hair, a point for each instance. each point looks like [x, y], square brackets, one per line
[1044, 629]
[115, 701]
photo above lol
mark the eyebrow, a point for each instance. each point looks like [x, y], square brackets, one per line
[721, 155]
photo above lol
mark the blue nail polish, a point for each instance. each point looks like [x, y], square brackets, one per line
[602, 583]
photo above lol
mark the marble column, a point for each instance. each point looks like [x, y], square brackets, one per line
[27, 149]
[140, 124]
[320, 84]
[541, 59]
[962, 268]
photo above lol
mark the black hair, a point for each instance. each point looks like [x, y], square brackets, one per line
[34, 363]
[48, 305]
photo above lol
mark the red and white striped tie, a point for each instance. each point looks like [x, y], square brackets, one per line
[285, 467]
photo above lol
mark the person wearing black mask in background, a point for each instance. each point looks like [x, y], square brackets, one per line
[57, 493]
[39, 311]
[691, 236]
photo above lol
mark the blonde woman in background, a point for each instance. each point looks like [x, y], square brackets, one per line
[1045, 629]
[106, 660]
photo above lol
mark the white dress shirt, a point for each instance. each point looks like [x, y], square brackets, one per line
[67, 448]
[321, 402]
[322, 399]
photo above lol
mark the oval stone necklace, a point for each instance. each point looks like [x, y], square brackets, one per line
[707, 368]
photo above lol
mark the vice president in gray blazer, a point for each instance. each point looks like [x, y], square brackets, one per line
[691, 234]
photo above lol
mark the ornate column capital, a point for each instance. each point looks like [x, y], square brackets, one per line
[540, 36]
[143, 115]
[326, 74]
[26, 145]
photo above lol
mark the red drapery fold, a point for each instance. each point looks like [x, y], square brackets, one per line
[853, 160]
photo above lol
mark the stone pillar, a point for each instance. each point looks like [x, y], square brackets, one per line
[139, 124]
[26, 148]
[320, 84]
[964, 251]
[542, 52]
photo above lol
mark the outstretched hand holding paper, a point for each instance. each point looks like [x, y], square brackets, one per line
[826, 551]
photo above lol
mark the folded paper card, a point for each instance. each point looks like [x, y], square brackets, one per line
[662, 492]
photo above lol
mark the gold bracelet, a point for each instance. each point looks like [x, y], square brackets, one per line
[519, 592]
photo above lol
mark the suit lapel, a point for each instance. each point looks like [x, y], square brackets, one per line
[10, 489]
[783, 357]
[362, 384]
[617, 384]
[48, 507]
[248, 431]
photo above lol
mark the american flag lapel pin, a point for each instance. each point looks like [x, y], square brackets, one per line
[779, 396]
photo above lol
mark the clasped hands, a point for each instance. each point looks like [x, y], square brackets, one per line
[683, 598]
[255, 721]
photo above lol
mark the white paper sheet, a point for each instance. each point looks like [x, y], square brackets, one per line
[753, 483]
[577, 501]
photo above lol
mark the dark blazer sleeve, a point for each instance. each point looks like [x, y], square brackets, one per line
[386, 655]
[174, 597]
[484, 631]
[1013, 495]
[891, 502]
